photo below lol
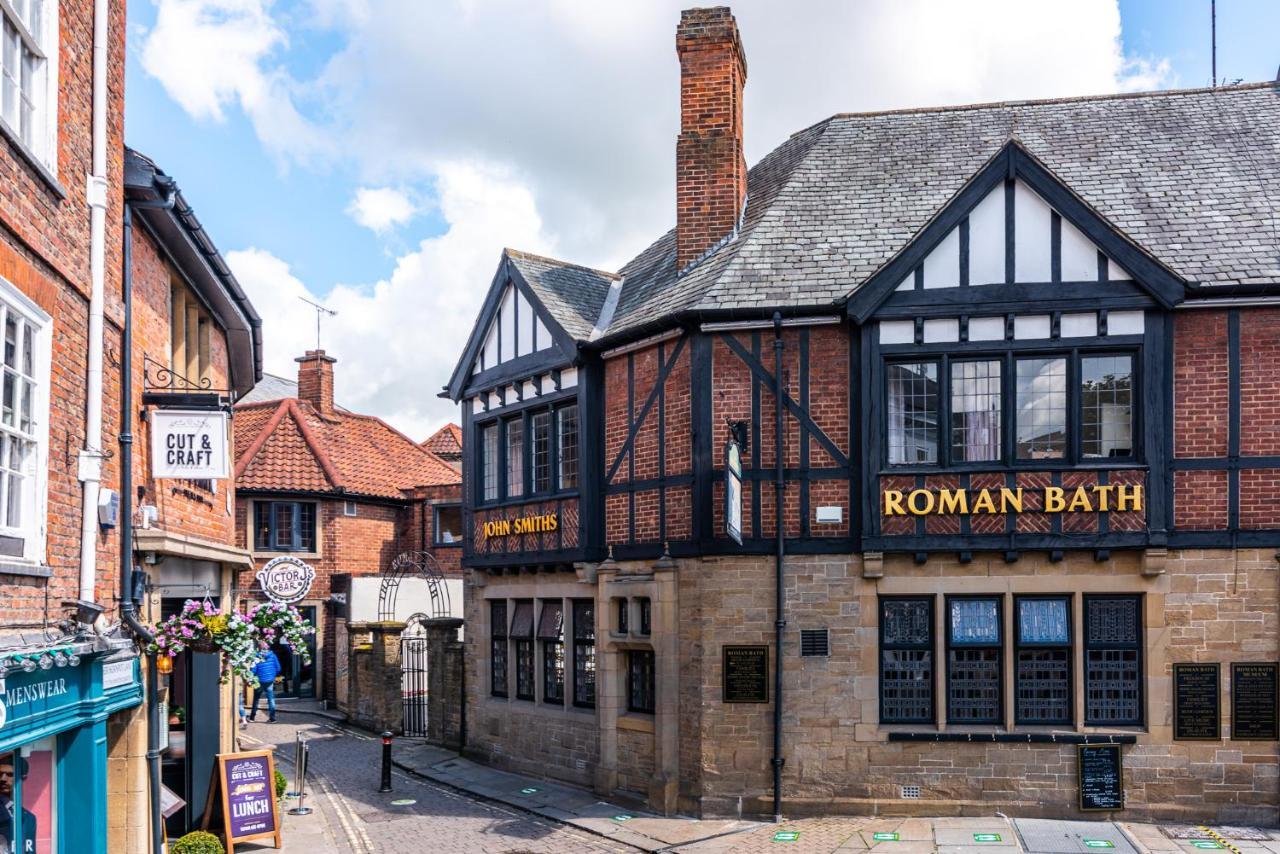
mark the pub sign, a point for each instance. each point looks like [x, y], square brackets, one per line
[733, 491]
[187, 444]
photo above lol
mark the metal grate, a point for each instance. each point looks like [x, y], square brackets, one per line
[911, 792]
[1048, 836]
[1044, 686]
[973, 686]
[906, 685]
[814, 642]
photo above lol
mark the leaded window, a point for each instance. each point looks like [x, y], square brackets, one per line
[551, 633]
[522, 634]
[498, 648]
[641, 688]
[284, 526]
[584, 653]
[913, 412]
[906, 660]
[1042, 674]
[621, 608]
[567, 442]
[974, 674]
[645, 608]
[1106, 406]
[540, 429]
[1113, 660]
[1041, 399]
[515, 457]
[975, 412]
[489, 463]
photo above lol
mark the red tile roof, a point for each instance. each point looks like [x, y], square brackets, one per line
[286, 446]
[447, 441]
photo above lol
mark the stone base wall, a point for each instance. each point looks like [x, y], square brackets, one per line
[1205, 607]
[635, 761]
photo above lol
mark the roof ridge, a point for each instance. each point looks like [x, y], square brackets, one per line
[265, 433]
[532, 257]
[316, 450]
[1034, 102]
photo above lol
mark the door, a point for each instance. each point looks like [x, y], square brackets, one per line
[299, 679]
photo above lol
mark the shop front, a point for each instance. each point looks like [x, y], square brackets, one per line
[54, 706]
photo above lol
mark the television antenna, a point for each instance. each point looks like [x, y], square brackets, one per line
[320, 312]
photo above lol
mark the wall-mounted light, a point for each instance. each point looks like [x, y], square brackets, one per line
[46, 662]
[164, 664]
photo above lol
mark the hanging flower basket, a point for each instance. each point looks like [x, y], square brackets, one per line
[201, 627]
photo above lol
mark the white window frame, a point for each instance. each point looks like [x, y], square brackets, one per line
[43, 146]
[33, 526]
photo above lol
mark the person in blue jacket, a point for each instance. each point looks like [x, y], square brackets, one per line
[265, 671]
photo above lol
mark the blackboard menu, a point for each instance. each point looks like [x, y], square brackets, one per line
[746, 674]
[1254, 689]
[1197, 702]
[1101, 775]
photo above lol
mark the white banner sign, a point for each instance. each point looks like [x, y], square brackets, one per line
[189, 445]
[286, 579]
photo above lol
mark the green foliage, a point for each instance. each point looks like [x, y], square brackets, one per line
[282, 784]
[197, 842]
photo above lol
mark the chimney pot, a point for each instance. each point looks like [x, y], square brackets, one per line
[315, 381]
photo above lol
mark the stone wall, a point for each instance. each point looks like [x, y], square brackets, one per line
[375, 698]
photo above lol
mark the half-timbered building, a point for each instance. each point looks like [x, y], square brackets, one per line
[937, 447]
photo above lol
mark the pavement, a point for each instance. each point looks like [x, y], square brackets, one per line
[457, 805]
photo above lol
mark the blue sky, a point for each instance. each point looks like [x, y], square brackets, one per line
[470, 126]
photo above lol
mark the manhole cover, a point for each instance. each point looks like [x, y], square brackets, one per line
[1191, 831]
[1048, 836]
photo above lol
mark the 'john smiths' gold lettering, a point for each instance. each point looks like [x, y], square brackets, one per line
[1057, 499]
[543, 524]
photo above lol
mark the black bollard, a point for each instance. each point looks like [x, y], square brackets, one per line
[386, 763]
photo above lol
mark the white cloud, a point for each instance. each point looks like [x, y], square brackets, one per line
[577, 101]
[381, 208]
[397, 340]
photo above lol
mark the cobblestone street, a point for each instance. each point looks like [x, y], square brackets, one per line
[351, 816]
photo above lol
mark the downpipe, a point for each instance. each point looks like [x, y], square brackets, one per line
[780, 623]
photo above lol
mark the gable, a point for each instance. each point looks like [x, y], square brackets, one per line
[1016, 225]
[516, 330]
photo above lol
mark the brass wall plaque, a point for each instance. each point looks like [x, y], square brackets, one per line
[1197, 702]
[746, 674]
[1255, 694]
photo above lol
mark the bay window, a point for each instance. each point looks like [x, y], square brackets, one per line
[1010, 408]
[530, 454]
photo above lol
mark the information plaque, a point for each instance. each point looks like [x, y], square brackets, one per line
[1101, 773]
[1254, 696]
[746, 674]
[1197, 702]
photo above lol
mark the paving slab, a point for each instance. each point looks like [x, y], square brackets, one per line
[966, 838]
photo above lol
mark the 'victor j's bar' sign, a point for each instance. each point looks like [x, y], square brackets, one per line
[1118, 498]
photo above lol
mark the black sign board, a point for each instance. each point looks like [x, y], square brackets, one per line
[1101, 772]
[746, 674]
[1255, 692]
[1197, 702]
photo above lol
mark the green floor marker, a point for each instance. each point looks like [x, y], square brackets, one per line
[986, 837]
[622, 818]
[403, 802]
[786, 836]
[1204, 843]
[528, 791]
[1099, 843]
[885, 837]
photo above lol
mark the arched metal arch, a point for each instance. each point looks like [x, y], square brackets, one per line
[414, 565]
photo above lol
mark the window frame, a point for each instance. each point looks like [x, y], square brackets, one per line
[32, 527]
[1018, 646]
[582, 642]
[1073, 456]
[949, 645]
[498, 629]
[435, 526]
[633, 706]
[553, 652]
[500, 421]
[1139, 646]
[298, 547]
[931, 646]
[42, 149]
[525, 651]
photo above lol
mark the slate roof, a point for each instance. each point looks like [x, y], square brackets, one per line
[573, 295]
[271, 387]
[1192, 177]
[286, 446]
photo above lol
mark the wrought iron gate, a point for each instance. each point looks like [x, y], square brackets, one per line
[413, 676]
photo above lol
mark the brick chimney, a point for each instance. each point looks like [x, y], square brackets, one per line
[711, 171]
[315, 381]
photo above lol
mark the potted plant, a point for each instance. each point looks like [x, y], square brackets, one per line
[198, 842]
[202, 627]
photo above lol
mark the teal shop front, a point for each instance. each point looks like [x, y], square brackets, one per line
[54, 705]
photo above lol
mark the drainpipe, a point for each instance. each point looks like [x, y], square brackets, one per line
[128, 590]
[780, 623]
[90, 467]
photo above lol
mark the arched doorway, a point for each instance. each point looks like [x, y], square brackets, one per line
[417, 574]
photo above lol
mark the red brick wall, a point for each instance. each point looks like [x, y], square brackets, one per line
[1260, 383]
[44, 253]
[1200, 384]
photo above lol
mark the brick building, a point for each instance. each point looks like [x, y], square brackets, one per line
[1011, 526]
[346, 494]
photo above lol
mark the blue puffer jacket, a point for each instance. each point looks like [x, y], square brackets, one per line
[267, 668]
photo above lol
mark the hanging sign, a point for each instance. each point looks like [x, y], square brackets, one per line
[733, 491]
[286, 579]
[188, 444]
[243, 798]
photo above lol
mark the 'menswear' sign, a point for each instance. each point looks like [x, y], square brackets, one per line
[1118, 498]
[190, 445]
